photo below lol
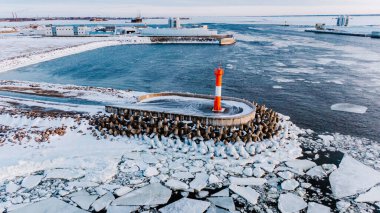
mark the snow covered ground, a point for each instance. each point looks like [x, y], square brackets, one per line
[77, 170]
[41, 49]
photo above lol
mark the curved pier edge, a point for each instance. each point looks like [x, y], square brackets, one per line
[207, 120]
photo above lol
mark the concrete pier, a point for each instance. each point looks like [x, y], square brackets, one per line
[228, 120]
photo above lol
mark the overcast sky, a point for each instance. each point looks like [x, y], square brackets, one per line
[31, 8]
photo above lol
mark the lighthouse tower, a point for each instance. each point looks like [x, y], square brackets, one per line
[218, 90]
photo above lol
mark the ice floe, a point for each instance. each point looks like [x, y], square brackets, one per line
[49, 205]
[289, 184]
[84, 201]
[372, 195]
[31, 181]
[317, 208]
[223, 193]
[199, 182]
[103, 202]
[289, 202]
[347, 107]
[247, 193]
[152, 194]
[223, 202]
[301, 164]
[316, 172]
[352, 177]
[186, 205]
[248, 181]
[176, 184]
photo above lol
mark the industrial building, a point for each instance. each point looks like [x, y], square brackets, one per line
[72, 30]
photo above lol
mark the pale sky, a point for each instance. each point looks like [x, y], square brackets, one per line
[128, 8]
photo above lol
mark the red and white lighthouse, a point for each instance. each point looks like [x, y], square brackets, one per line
[218, 90]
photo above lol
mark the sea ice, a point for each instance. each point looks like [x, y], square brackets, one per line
[84, 201]
[222, 193]
[300, 164]
[152, 194]
[183, 175]
[103, 202]
[372, 195]
[343, 205]
[186, 205]
[49, 205]
[223, 202]
[347, 107]
[213, 179]
[200, 181]
[151, 171]
[352, 177]
[316, 172]
[246, 192]
[248, 181]
[248, 171]
[149, 158]
[31, 181]
[317, 208]
[286, 175]
[258, 172]
[11, 187]
[176, 184]
[214, 209]
[67, 174]
[289, 184]
[122, 191]
[122, 209]
[289, 202]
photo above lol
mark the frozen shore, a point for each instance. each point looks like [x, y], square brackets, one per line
[88, 171]
[68, 49]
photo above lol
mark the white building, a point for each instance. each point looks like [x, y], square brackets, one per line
[48, 31]
[65, 30]
[83, 31]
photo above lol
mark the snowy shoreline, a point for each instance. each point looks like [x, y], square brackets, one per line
[91, 172]
[34, 58]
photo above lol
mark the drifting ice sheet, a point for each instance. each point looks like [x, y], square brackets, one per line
[153, 194]
[352, 177]
[49, 205]
[246, 192]
[248, 181]
[291, 203]
[372, 195]
[186, 205]
[317, 208]
[346, 107]
[31, 181]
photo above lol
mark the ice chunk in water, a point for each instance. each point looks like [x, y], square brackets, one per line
[352, 177]
[224, 202]
[153, 194]
[31, 181]
[317, 208]
[346, 107]
[186, 205]
[372, 195]
[291, 203]
[49, 205]
[247, 193]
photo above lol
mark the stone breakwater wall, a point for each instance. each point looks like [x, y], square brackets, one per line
[262, 123]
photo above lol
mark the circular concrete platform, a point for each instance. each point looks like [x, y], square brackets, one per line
[193, 107]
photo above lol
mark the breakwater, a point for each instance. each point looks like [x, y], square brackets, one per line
[262, 123]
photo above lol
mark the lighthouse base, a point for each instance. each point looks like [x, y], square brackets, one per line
[219, 111]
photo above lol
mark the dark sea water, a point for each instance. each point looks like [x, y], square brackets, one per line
[297, 73]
